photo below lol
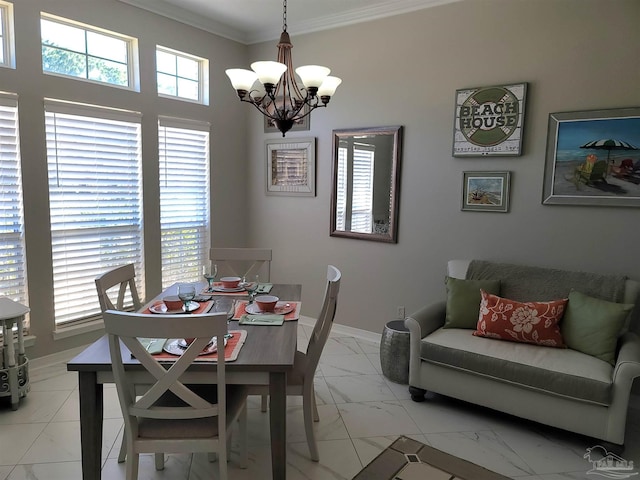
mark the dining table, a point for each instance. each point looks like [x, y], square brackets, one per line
[265, 359]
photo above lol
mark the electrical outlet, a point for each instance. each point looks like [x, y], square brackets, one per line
[400, 312]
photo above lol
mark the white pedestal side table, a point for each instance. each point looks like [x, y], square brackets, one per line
[14, 371]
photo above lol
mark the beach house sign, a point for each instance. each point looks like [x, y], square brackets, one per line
[489, 121]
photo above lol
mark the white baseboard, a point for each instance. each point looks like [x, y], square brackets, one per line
[54, 358]
[345, 330]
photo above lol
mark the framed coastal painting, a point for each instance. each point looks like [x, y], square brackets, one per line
[291, 167]
[486, 191]
[593, 158]
[489, 121]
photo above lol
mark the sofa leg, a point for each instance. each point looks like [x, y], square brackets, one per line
[417, 394]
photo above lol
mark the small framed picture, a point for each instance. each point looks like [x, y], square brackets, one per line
[291, 167]
[486, 191]
[489, 121]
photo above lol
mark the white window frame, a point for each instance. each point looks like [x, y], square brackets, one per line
[203, 76]
[81, 253]
[13, 280]
[8, 36]
[133, 75]
[180, 262]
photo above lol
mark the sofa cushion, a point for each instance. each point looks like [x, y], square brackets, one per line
[563, 372]
[463, 301]
[528, 322]
[592, 325]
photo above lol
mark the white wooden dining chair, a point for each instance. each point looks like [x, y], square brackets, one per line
[300, 380]
[242, 262]
[171, 416]
[125, 278]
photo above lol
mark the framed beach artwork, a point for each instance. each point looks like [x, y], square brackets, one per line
[593, 158]
[291, 167]
[486, 191]
[489, 121]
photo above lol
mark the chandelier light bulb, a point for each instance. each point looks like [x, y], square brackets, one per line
[312, 76]
[269, 72]
[329, 86]
[241, 79]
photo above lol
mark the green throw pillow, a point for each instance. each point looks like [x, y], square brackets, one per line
[463, 301]
[592, 326]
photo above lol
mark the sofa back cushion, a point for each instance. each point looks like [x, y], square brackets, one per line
[463, 301]
[592, 325]
[524, 322]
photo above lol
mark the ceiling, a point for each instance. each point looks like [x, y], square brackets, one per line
[253, 21]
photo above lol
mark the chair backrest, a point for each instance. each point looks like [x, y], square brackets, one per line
[123, 277]
[125, 328]
[242, 262]
[322, 327]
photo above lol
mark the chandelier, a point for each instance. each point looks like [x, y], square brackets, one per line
[273, 89]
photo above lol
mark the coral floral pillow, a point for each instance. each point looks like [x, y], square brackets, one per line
[530, 322]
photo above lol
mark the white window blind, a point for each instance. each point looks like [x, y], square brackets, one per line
[362, 209]
[354, 189]
[341, 189]
[184, 198]
[94, 164]
[12, 249]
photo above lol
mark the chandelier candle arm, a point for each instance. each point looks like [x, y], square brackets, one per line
[275, 90]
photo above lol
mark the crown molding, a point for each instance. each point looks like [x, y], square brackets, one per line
[377, 11]
[187, 17]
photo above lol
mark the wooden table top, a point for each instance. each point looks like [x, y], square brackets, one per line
[267, 348]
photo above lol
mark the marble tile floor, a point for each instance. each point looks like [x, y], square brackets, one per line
[361, 413]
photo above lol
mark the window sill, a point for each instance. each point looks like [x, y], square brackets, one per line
[73, 330]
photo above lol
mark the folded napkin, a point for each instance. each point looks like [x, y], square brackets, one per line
[262, 319]
[264, 287]
[152, 345]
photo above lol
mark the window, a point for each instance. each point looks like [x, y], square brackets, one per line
[181, 75]
[12, 253]
[81, 51]
[94, 163]
[357, 164]
[184, 198]
[6, 35]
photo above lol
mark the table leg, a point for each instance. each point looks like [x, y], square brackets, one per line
[278, 424]
[91, 411]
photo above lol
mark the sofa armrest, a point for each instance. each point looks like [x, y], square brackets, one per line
[421, 324]
[427, 319]
[628, 362]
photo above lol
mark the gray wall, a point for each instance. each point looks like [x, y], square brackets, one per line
[575, 55]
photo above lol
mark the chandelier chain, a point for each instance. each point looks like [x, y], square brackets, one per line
[284, 16]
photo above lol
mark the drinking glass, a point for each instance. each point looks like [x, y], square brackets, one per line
[186, 293]
[251, 287]
[209, 272]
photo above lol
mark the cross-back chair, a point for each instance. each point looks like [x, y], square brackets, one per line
[300, 380]
[125, 278]
[171, 416]
[242, 262]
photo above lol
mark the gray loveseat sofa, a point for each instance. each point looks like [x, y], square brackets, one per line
[561, 387]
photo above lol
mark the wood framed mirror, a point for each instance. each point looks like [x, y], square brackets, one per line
[366, 183]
